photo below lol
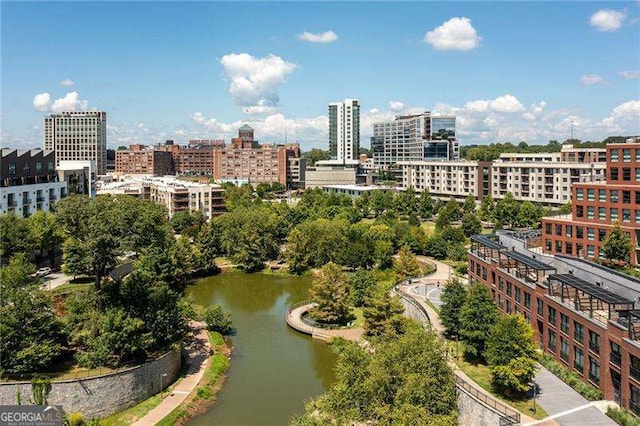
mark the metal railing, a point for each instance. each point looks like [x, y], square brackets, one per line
[406, 296]
[509, 414]
[300, 325]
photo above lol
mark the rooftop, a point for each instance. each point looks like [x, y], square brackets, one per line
[529, 261]
[591, 289]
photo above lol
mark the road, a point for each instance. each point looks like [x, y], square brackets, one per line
[54, 280]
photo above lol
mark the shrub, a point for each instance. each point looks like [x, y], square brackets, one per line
[571, 378]
[462, 269]
[76, 419]
[622, 417]
[217, 319]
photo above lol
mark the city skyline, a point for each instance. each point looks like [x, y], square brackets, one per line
[508, 71]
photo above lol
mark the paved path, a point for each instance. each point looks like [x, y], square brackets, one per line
[54, 280]
[295, 321]
[198, 351]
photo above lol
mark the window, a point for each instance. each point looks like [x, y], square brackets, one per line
[626, 174]
[509, 289]
[616, 355]
[579, 211]
[638, 155]
[12, 168]
[559, 230]
[635, 367]
[564, 323]
[594, 370]
[548, 228]
[578, 359]
[552, 316]
[39, 166]
[637, 197]
[626, 155]
[568, 248]
[591, 194]
[518, 294]
[579, 194]
[634, 401]
[602, 195]
[614, 173]
[527, 300]
[602, 213]
[626, 215]
[26, 168]
[626, 197]
[614, 155]
[594, 342]
[508, 306]
[614, 214]
[552, 341]
[637, 216]
[590, 251]
[564, 349]
[590, 234]
[579, 232]
[540, 307]
[577, 332]
[638, 172]
[591, 214]
[602, 234]
[569, 230]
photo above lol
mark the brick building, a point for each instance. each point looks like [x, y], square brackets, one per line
[583, 314]
[140, 160]
[597, 205]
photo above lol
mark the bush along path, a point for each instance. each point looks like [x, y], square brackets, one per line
[198, 384]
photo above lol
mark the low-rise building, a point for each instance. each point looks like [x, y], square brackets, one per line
[584, 315]
[321, 176]
[142, 160]
[175, 194]
[355, 191]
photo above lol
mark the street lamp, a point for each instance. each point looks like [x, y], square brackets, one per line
[161, 388]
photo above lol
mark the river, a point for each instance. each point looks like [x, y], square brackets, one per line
[274, 369]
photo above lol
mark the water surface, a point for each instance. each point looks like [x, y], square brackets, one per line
[274, 369]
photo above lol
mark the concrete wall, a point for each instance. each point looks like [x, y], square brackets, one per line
[474, 413]
[101, 396]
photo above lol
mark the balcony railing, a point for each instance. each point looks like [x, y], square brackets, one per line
[615, 359]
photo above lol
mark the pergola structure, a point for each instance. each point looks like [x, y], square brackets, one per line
[486, 246]
[598, 303]
[526, 268]
[631, 320]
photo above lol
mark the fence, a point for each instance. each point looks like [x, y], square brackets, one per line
[509, 414]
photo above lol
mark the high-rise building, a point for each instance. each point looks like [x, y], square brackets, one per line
[414, 137]
[78, 135]
[344, 131]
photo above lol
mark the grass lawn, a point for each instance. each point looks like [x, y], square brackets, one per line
[481, 374]
[69, 287]
[132, 414]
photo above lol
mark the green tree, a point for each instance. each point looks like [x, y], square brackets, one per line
[217, 319]
[406, 265]
[469, 205]
[507, 210]
[45, 232]
[512, 353]
[32, 335]
[487, 209]
[529, 215]
[15, 235]
[185, 220]
[383, 316]
[425, 205]
[316, 155]
[436, 246]
[454, 296]
[380, 201]
[449, 213]
[471, 225]
[331, 293]
[75, 260]
[315, 243]
[477, 317]
[617, 246]
[363, 284]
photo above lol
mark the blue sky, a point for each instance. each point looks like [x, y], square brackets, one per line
[510, 71]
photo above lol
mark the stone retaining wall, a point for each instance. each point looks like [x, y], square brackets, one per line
[474, 413]
[101, 396]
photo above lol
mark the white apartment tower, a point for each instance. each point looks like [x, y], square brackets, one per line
[344, 131]
[78, 136]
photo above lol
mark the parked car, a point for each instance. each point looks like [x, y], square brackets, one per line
[43, 272]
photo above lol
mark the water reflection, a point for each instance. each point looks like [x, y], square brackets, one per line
[274, 369]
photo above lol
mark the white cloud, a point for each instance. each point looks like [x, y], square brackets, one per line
[67, 82]
[396, 105]
[591, 79]
[455, 34]
[624, 118]
[255, 81]
[607, 20]
[629, 75]
[506, 103]
[325, 37]
[69, 103]
[42, 101]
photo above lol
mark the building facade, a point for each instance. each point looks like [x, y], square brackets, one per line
[583, 314]
[344, 130]
[29, 181]
[597, 205]
[415, 137]
[78, 136]
[176, 195]
[142, 160]
[448, 179]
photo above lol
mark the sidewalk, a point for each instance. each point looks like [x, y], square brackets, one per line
[197, 359]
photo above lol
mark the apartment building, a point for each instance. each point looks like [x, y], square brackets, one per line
[583, 314]
[414, 137]
[29, 181]
[597, 205]
[143, 160]
[78, 136]
[344, 131]
[448, 179]
[176, 195]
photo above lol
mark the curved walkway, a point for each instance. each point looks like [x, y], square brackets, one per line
[197, 352]
[294, 320]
